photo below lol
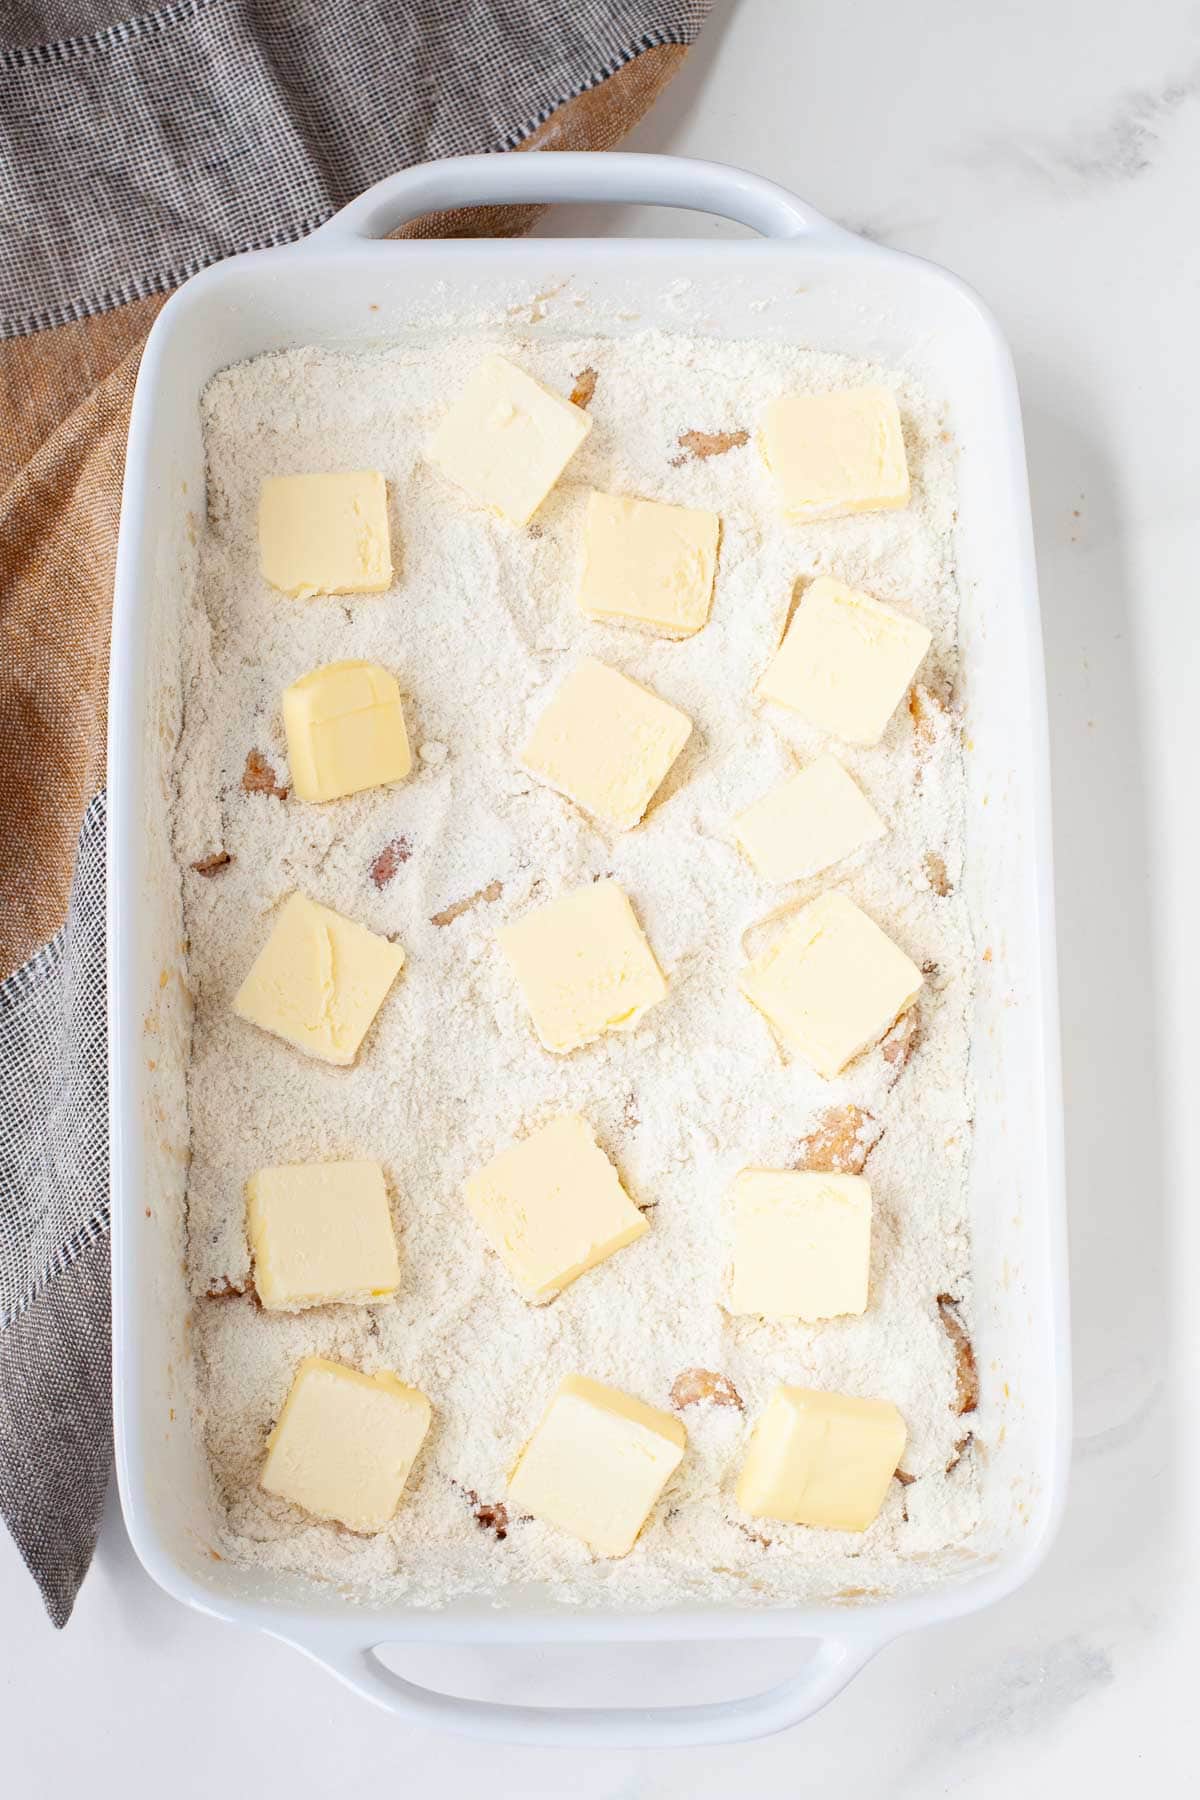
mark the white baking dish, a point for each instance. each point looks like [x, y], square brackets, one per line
[829, 290]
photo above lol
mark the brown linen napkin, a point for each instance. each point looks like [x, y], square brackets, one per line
[132, 152]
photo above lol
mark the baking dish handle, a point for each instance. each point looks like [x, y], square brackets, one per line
[832, 1665]
[606, 176]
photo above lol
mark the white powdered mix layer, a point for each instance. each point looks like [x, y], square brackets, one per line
[478, 627]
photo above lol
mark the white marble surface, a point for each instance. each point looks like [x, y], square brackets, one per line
[1046, 150]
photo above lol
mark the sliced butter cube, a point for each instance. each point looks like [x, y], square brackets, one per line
[596, 1464]
[606, 742]
[845, 661]
[801, 1244]
[318, 981]
[836, 453]
[648, 564]
[831, 982]
[808, 823]
[325, 534]
[553, 1207]
[321, 1235]
[821, 1459]
[506, 439]
[345, 1443]
[584, 966]
[345, 730]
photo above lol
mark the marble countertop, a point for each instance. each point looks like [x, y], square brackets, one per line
[1046, 150]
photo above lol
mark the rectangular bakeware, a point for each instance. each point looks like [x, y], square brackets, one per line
[829, 290]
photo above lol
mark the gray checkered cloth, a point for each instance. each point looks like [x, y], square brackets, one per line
[134, 151]
[143, 150]
[54, 1307]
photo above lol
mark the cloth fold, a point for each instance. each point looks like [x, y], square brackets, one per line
[133, 151]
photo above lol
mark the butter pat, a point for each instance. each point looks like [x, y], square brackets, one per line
[325, 534]
[808, 823]
[821, 1459]
[318, 981]
[596, 1464]
[553, 1207]
[345, 1443]
[801, 1244]
[831, 982]
[845, 661]
[345, 730]
[321, 1234]
[836, 453]
[606, 742]
[584, 966]
[506, 439]
[648, 564]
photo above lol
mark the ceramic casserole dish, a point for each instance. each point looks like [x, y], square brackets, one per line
[346, 287]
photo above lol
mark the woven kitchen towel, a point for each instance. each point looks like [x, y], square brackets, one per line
[133, 151]
[54, 1310]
